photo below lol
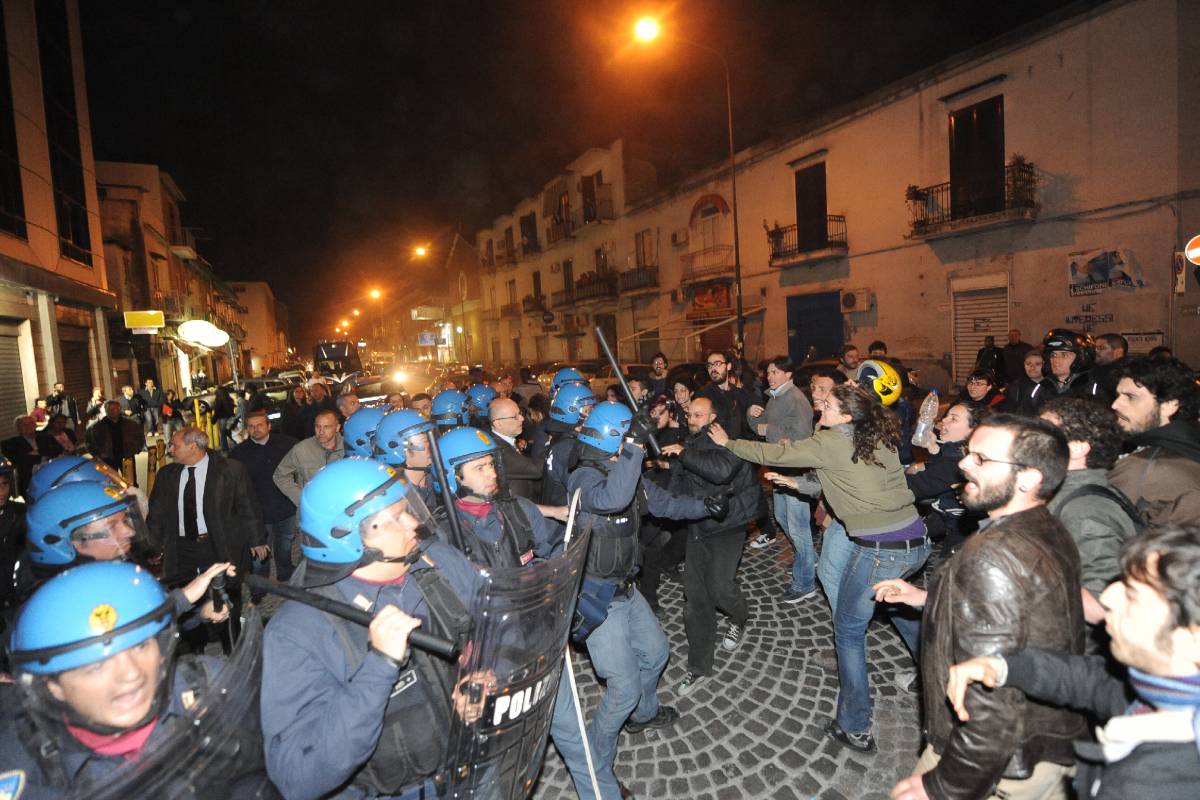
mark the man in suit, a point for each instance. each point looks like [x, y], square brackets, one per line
[25, 450]
[524, 474]
[203, 511]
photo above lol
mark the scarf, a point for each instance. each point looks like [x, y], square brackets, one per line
[128, 744]
[1169, 694]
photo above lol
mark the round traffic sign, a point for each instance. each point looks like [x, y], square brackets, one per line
[547, 317]
[1192, 250]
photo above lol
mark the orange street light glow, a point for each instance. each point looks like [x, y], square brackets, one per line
[375, 294]
[356, 312]
[646, 29]
[420, 251]
[345, 323]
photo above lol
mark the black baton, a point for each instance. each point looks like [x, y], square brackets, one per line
[612, 360]
[443, 648]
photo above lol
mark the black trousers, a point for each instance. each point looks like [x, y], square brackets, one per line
[661, 556]
[193, 557]
[709, 583]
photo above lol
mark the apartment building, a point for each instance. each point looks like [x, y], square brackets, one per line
[1046, 179]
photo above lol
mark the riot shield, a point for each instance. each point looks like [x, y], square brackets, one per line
[215, 752]
[508, 678]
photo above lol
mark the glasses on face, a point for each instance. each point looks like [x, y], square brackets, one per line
[712, 364]
[977, 382]
[979, 460]
[515, 416]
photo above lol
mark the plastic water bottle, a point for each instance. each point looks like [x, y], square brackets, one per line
[925, 419]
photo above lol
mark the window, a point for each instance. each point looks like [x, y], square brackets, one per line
[563, 215]
[62, 130]
[511, 286]
[489, 257]
[977, 159]
[509, 249]
[537, 283]
[529, 236]
[601, 260]
[811, 230]
[492, 297]
[644, 251]
[12, 199]
[587, 187]
[568, 273]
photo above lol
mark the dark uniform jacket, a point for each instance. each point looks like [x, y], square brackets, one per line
[524, 475]
[1014, 584]
[231, 511]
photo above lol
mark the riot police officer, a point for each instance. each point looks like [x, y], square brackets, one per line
[569, 406]
[624, 639]
[353, 711]
[501, 530]
[450, 409]
[402, 440]
[358, 431]
[1069, 358]
[479, 400]
[106, 710]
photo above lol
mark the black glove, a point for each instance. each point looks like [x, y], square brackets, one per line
[717, 506]
[641, 427]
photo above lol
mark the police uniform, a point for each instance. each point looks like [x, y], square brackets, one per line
[342, 720]
[510, 534]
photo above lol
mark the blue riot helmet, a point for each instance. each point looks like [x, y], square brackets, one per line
[449, 409]
[570, 403]
[400, 432]
[95, 521]
[480, 396]
[359, 431]
[565, 377]
[606, 426]
[71, 469]
[81, 618]
[461, 446]
[341, 511]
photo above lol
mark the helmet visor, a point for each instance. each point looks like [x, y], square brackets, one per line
[121, 535]
[388, 529]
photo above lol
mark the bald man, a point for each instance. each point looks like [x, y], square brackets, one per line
[524, 475]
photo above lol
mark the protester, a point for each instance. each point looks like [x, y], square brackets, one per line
[1025, 394]
[1014, 584]
[854, 455]
[224, 411]
[787, 418]
[990, 358]
[848, 362]
[172, 414]
[95, 406]
[116, 437]
[981, 389]
[704, 469]
[1156, 408]
[25, 451]
[58, 437]
[261, 453]
[938, 479]
[1112, 350]
[659, 373]
[152, 401]
[292, 416]
[1014, 357]
[1148, 744]
[726, 398]
[60, 402]
[347, 405]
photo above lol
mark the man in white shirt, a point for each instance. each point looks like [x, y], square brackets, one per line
[523, 473]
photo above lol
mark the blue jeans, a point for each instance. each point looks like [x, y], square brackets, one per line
[568, 739]
[856, 605]
[629, 652]
[836, 552]
[279, 537]
[795, 517]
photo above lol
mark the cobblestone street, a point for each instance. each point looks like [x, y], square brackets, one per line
[755, 729]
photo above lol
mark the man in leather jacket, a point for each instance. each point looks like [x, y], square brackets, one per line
[704, 468]
[1013, 585]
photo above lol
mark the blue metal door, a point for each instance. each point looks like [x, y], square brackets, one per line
[814, 324]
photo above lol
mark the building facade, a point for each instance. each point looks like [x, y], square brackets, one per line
[1044, 180]
[153, 265]
[266, 329]
[53, 285]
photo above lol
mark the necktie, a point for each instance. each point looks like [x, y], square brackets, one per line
[191, 527]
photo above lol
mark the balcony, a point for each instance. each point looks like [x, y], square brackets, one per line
[636, 280]
[529, 249]
[787, 249]
[557, 230]
[563, 298]
[533, 305]
[506, 259]
[510, 310]
[487, 264]
[596, 286]
[711, 263]
[491, 314]
[949, 208]
[602, 208]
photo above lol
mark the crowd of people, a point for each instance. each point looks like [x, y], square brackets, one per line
[1037, 551]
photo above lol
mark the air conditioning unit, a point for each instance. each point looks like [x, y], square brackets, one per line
[856, 300]
[679, 238]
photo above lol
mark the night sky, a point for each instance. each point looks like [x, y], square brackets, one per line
[317, 141]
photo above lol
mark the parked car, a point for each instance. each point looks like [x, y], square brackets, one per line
[605, 377]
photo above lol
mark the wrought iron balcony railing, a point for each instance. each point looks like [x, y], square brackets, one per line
[510, 310]
[563, 298]
[531, 304]
[596, 287]
[706, 264]
[984, 200]
[790, 244]
[641, 278]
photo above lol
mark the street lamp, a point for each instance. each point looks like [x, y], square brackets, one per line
[355, 312]
[420, 251]
[646, 30]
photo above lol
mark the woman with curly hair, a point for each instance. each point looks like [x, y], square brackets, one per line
[877, 534]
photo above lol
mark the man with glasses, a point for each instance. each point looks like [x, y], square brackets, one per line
[727, 400]
[1013, 585]
[524, 474]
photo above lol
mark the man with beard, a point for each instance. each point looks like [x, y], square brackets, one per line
[1013, 585]
[1156, 408]
[727, 399]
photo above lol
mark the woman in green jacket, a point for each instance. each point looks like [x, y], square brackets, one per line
[854, 455]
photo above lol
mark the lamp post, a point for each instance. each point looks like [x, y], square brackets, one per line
[646, 30]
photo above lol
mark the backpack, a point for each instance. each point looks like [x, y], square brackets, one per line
[1115, 495]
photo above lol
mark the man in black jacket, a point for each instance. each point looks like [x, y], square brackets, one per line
[152, 403]
[1014, 584]
[261, 453]
[1148, 746]
[714, 548]
[1026, 394]
[220, 521]
[728, 401]
[524, 475]
[26, 450]
[59, 402]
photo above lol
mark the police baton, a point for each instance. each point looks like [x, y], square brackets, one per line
[442, 648]
[612, 360]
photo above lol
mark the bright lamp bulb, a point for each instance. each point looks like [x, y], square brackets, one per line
[646, 29]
